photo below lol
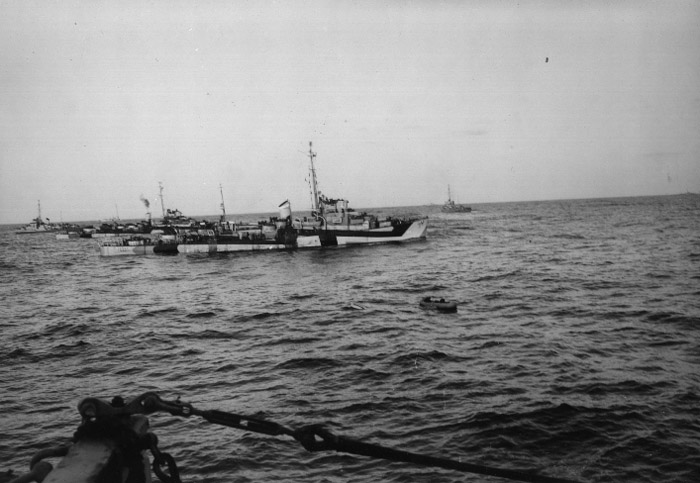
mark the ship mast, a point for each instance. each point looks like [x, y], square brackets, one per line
[223, 208]
[162, 205]
[314, 189]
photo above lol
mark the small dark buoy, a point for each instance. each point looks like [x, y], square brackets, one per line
[546, 59]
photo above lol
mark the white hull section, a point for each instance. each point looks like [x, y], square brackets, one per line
[308, 242]
[416, 231]
[227, 247]
[113, 251]
[302, 242]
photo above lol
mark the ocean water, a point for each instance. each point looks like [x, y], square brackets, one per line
[575, 350]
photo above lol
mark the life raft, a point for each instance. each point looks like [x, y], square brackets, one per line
[439, 304]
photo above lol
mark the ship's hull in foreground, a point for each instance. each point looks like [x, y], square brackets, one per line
[396, 232]
[299, 235]
[332, 223]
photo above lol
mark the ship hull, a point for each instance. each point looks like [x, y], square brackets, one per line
[228, 246]
[459, 209]
[114, 251]
[396, 234]
[115, 247]
[318, 238]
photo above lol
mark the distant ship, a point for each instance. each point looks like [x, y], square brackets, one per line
[38, 225]
[172, 221]
[451, 207]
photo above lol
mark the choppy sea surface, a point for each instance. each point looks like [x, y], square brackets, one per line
[575, 350]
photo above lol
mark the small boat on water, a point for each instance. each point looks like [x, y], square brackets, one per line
[137, 245]
[439, 304]
[332, 223]
[451, 207]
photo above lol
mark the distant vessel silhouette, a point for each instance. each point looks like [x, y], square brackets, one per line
[451, 207]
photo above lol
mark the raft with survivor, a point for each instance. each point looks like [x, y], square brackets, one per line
[439, 304]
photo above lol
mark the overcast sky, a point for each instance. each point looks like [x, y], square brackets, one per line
[504, 101]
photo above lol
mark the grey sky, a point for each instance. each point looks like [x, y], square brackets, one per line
[504, 101]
